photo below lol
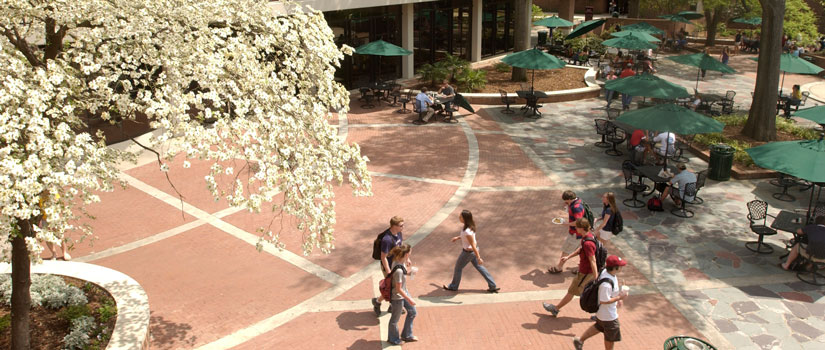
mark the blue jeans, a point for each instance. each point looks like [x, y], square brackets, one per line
[396, 315]
[626, 99]
[469, 257]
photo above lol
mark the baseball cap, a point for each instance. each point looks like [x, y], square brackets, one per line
[613, 261]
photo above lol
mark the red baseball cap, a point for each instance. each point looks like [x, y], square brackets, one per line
[613, 261]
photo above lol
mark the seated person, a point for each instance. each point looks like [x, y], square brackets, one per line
[667, 145]
[811, 234]
[638, 140]
[446, 91]
[424, 104]
[682, 178]
[793, 100]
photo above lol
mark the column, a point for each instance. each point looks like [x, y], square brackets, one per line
[475, 30]
[407, 17]
[566, 9]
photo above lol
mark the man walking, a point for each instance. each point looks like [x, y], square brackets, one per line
[393, 237]
[575, 211]
[610, 296]
[587, 267]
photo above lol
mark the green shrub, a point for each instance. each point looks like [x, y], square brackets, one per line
[538, 13]
[74, 311]
[107, 311]
[472, 80]
[434, 73]
[454, 66]
[5, 322]
[502, 67]
[46, 290]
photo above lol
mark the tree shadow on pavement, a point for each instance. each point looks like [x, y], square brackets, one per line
[362, 344]
[170, 333]
[356, 321]
[552, 325]
[542, 278]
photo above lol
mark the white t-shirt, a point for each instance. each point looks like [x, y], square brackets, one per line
[465, 242]
[665, 146]
[607, 312]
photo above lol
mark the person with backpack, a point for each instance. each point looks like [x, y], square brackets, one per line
[390, 238]
[400, 298]
[469, 254]
[610, 296]
[575, 210]
[588, 266]
[607, 227]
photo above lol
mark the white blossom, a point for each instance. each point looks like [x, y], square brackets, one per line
[222, 80]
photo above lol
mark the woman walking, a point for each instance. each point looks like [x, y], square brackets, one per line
[604, 232]
[469, 254]
[400, 297]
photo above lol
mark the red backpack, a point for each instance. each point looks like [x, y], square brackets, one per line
[654, 204]
[385, 285]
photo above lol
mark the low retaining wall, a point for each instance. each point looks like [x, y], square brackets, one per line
[132, 325]
[592, 90]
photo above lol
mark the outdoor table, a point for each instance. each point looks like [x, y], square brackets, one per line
[706, 100]
[652, 172]
[532, 98]
[380, 89]
[789, 221]
[440, 102]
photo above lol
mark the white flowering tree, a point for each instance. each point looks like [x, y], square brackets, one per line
[222, 80]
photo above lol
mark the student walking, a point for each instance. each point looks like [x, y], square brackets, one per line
[610, 297]
[604, 230]
[393, 237]
[401, 298]
[575, 211]
[587, 267]
[469, 254]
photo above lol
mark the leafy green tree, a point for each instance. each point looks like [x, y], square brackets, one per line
[662, 6]
[800, 22]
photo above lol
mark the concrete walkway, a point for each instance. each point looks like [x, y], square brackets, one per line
[209, 289]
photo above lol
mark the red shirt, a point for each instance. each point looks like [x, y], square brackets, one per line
[588, 250]
[627, 72]
[636, 138]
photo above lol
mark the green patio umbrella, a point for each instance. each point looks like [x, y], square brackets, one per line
[533, 59]
[754, 21]
[702, 61]
[647, 85]
[643, 35]
[814, 114]
[675, 18]
[630, 42]
[584, 28]
[553, 22]
[381, 48]
[671, 118]
[462, 102]
[803, 159]
[788, 63]
[643, 27]
[691, 15]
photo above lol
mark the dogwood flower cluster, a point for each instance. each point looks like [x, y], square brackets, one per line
[223, 80]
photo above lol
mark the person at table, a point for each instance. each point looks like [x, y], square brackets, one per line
[610, 75]
[682, 178]
[666, 141]
[793, 100]
[638, 140]
[446, 91]
[627, 72]
[737, 42]
[811, 234]
[425, 105]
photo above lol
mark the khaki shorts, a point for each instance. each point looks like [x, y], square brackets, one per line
[611, 330]
[579, 282]
[605, 235]
[571, 243]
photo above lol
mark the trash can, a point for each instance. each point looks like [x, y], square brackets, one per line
[542, 38]
[721, 160]
[588, 13]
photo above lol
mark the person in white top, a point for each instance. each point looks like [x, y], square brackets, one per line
[610, 296]
[667, 145]
[469, 254]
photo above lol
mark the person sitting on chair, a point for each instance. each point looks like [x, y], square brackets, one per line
[447, 91]
[793, 100]
[682, 178]
[809, 234]
[667, 145]
[424, 103]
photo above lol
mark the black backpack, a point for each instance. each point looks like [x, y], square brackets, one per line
[589, 300]
[376, 245]
[618, 223]
[601, 253]
[588, 214]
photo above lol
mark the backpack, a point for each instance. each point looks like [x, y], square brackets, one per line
[588, 214]
[654, 204]
[589, 300]
[601, 253]
[376, 245]
[385, 285]
[618, 223]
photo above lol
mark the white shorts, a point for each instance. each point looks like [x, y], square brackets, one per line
[570, 244]
[605, 235]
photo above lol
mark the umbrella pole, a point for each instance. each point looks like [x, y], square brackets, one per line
[698, 71]
[810, 204]
[782, 86]
[667, 149]
[533, 82]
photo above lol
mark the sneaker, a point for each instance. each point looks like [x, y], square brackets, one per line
[376, 306]
[410, 339]
[551, 309]
[494, 290]
[577, 343]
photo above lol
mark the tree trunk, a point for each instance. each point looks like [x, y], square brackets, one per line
[633, 8]
[521, 36]
[712, 21]
[761, 124]
[20, 281]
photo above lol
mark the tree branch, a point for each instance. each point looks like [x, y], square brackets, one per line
[22, 46]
